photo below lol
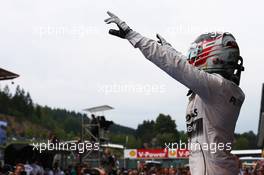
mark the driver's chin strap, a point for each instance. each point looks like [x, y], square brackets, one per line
[189, 92]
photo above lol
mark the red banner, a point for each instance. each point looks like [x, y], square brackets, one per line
[152, 153]
[156, 153]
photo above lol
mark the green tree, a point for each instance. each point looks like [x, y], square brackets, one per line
[163, 138]
[252, 139]
[146, 131]
[5, 97]
[241, 143]
[29, 132]
[165, 124]
[183, 137]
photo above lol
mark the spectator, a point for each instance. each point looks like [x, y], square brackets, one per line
[19, 170]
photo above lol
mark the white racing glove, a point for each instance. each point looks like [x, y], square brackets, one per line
[123, 27]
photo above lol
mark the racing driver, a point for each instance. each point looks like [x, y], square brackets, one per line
[211, 71]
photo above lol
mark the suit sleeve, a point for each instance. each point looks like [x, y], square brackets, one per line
[175, 64]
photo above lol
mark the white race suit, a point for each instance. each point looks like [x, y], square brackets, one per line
[212, 110]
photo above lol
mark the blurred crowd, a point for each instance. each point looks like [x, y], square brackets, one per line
[36, 169]
[257, 169]
[157, 171]
[108, 168]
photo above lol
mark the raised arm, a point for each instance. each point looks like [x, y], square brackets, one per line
[170, 60]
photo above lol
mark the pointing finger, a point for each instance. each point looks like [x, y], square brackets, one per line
[109, 20]
[111, 14]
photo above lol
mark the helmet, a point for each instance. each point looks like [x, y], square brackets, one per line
[217, 53]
